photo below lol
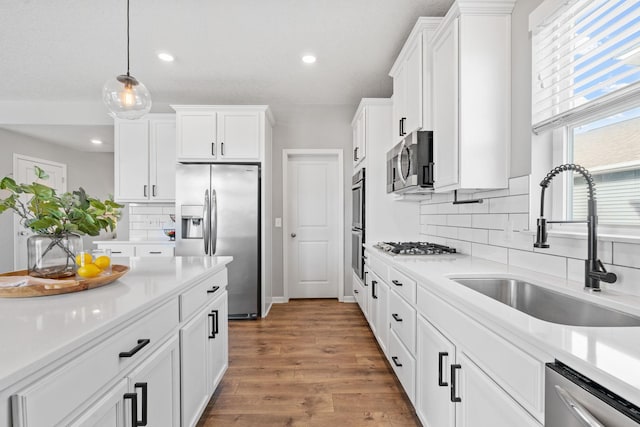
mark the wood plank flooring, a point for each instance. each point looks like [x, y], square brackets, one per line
[309, 363]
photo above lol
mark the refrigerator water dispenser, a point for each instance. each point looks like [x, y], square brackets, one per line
[192, 221]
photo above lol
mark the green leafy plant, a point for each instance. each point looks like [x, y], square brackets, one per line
[49, 213]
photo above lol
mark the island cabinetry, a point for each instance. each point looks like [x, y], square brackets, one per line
[144, 159]
[360, 294]
[468, 376]
[203, 348]
[221, 133]
[412, 87]
[471, 60]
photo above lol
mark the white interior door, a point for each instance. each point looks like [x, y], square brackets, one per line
[312, 226]
[24, 172]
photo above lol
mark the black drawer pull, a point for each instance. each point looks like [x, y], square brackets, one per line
[454, 393]
[137, 348]
[213, 148]
[355, 291]
[395, 361]
[155, 252]
[214, 323]
[143, 421]
[116, 252]
[396, 317]
[395, 282]
[213, 290]
[441, 357]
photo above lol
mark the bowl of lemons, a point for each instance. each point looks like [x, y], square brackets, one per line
[93, 264]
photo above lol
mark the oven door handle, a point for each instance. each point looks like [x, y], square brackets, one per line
[579, 412]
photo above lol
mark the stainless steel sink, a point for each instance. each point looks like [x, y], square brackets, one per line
[548, 305]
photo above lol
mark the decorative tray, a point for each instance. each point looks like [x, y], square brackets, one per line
[44, 287]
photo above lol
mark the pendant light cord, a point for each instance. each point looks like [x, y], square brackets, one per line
[128, 38]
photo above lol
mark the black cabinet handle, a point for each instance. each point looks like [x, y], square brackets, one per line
[144, 190]
[222, 148]
[400, 127]
[213, 148]
[396, 317]
[441, 357]
[213, 290]
[403, 133]
[454, 393]
[214, 323]
[216, 329]
[355, 291]
[153, 190]
[134, 407]
[395, 361]
[395, 282]
[137, 348]
[116, 252]
[143, 386]
[355, 154]
[155, 252]
[374, 294]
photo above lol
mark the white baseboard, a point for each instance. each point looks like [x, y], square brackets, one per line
[279, 300]
[349, 299]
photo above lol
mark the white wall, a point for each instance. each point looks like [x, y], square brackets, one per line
[310, 126]
[91, 171]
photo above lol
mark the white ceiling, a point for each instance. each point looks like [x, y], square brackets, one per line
[227, 51]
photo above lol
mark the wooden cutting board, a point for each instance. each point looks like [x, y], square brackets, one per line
[42, 287]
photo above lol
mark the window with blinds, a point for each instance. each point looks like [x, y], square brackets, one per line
[586, 56]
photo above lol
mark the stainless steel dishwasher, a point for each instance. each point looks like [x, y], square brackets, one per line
[573, 400]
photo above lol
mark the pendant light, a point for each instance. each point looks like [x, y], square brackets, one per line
[124, 95]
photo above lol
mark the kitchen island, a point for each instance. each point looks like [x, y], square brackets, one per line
[96, 355]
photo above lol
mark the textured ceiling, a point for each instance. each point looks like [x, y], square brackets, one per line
[227, 51]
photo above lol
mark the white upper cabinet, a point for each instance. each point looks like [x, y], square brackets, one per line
[471, 102]
[359, 126]
[144, 159]
[412, 81]
[221, 133]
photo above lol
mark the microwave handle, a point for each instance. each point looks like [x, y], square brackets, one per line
[430, 173]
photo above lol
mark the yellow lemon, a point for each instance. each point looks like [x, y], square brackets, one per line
[102, 262]
[87, 258]
[89, 270]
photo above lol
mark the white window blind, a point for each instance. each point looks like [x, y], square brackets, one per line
[586, 56]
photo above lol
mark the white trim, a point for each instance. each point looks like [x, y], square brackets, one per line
[279, 300]
[349, 299]
[286, 153]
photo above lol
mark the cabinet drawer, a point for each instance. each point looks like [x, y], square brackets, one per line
[517, 372]
[403, 321]
[379, 267]
[154, 250]
[52, 398]
[403, 285]
[201, 294]
[119, 250]
[404, 365]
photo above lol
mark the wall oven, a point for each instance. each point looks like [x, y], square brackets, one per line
[358, 222]
[410, 164]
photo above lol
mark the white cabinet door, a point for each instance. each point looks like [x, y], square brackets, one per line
[372, 282]
[196, 133]
[359, 294]
[131, 161]
[445, 108]
[413, 88]
[107, 411]
[382, 314]
[483, 403]
[399, 92]
[217, 341]
[163, 160]
[362, 135]
[193, 368]
[239, 135]
[155, 383]
[435, 354]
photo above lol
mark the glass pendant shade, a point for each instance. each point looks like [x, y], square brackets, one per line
[126, 97]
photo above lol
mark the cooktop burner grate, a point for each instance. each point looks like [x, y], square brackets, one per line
[414, 248]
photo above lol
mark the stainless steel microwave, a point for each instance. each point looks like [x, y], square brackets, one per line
[410, 164]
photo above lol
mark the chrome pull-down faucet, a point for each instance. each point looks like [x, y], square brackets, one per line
[594, 271]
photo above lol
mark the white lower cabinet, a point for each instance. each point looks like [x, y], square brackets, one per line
[108, 411]
[204, 350]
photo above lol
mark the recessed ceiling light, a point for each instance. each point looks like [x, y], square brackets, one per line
[166, 57]
[96, 141]
[308, 59]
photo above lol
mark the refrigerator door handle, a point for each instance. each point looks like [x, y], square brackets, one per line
[214, 221]
[205, 220]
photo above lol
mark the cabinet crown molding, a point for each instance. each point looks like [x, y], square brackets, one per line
[423, 24]
[368, 102]
[264, 108]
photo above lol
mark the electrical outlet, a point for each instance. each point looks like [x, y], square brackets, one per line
[278, 222]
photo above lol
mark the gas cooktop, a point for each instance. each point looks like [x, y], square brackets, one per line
[414, 248]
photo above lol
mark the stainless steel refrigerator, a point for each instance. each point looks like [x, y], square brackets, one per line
[218, 213]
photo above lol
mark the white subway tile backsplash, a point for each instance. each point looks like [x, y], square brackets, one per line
[492, 222]
[626, 254]
[447, 208]
[427, 209]
[459, 220]
[519, 185]
[575, 248]
[138, 234]
[510, 204]
[628, 279]
[492, 253]
[460, 246]
[491, 194]
[575, 270]
[147, 222]
[441, 197]
[548, 264]
[169, 210]
[449, 232]
[511, 239]
[431, 229]
[473, 235]
[144, 210]
[435, 219]
[519, 222]
[474, 208]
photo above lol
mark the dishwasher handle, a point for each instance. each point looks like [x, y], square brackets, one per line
[580, 412]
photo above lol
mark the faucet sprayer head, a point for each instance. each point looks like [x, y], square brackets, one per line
[541, 234]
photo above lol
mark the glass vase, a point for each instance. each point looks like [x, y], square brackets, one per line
[53, 256]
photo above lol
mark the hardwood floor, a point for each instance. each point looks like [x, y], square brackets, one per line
[309, 363]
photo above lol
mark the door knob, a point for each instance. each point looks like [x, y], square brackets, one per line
[293, 234]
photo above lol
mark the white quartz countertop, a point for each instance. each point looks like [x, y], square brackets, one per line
[607, 355]
[36, 331]
[135, 242]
